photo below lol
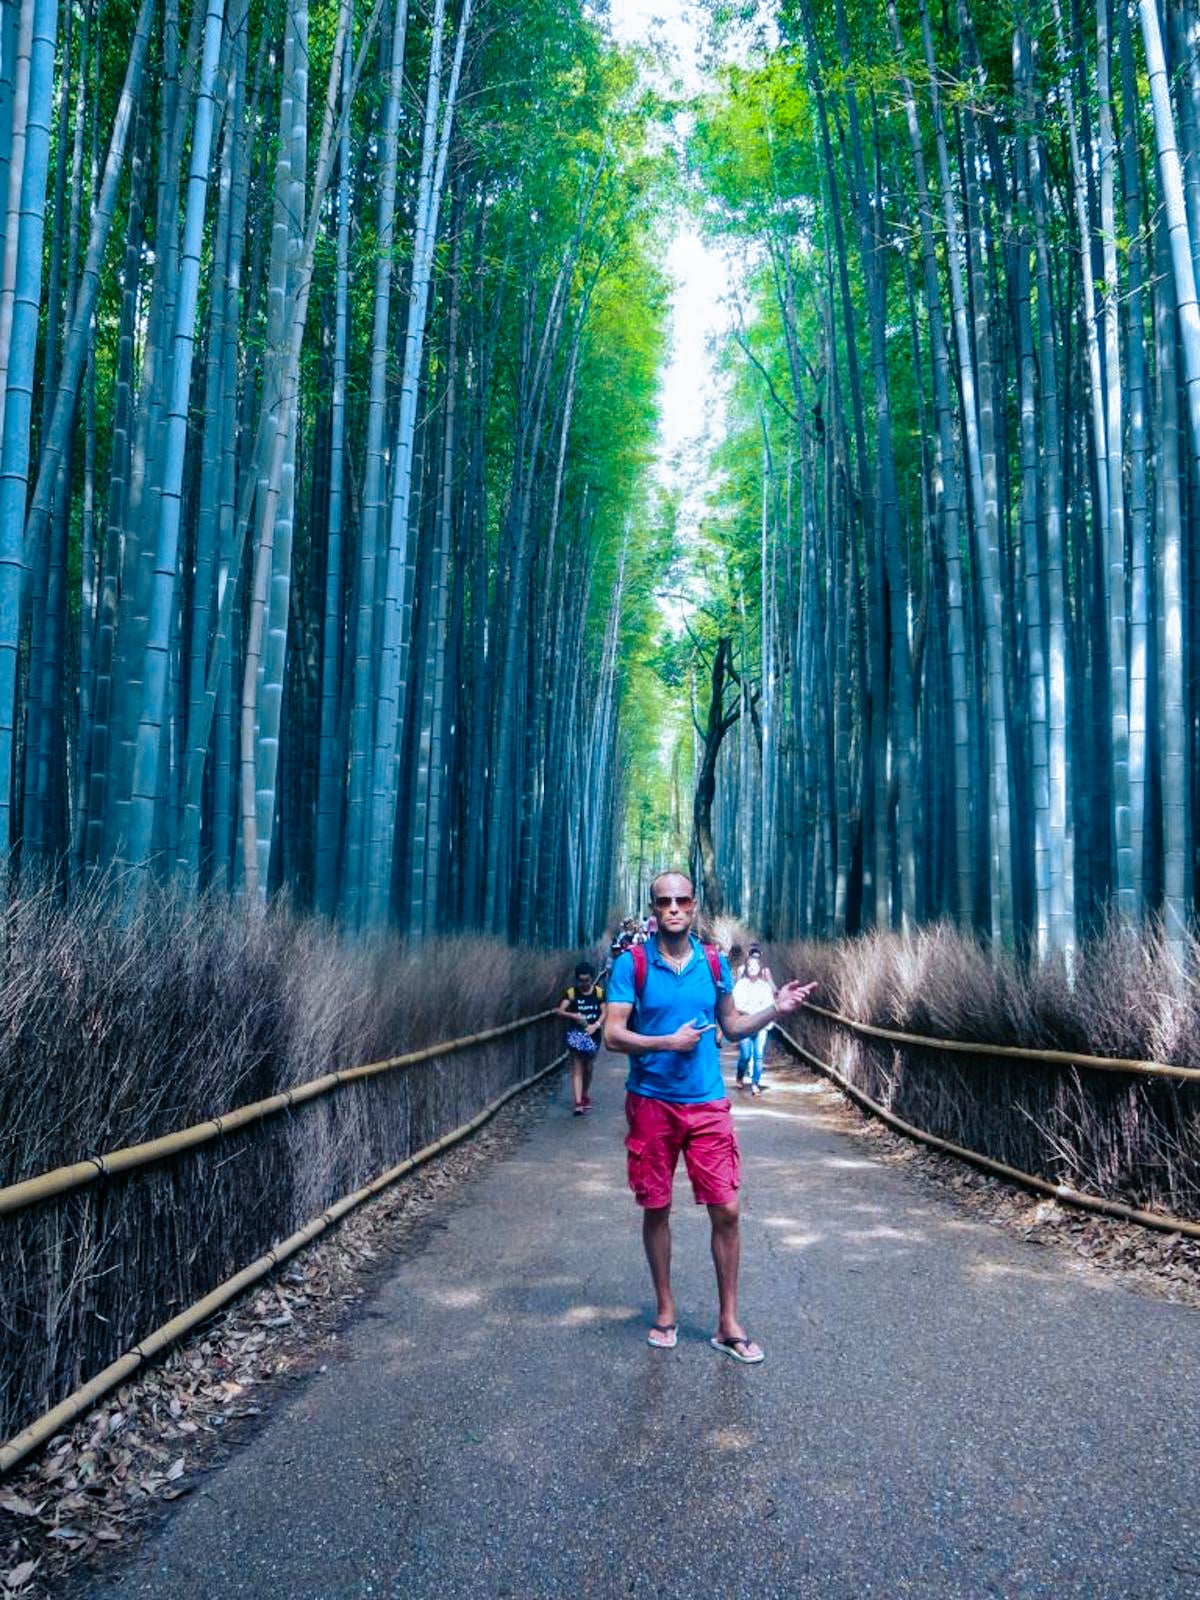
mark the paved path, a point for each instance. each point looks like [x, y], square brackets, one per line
[942, 1412]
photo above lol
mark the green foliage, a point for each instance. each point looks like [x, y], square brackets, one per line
[751, 153]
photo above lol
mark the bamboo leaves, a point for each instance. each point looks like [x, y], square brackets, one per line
[1010, 555]
[301, 544]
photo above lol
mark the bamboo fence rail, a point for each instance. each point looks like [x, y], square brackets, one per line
[1012, 1052]
[60, 1180]
[51, 1422]
[1161, 1221]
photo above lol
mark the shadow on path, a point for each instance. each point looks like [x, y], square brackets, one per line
[941, 1412]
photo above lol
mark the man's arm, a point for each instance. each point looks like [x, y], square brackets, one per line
[735, 1025]
[619, 1036]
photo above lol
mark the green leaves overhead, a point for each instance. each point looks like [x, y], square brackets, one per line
[415, 505]
[752, 149]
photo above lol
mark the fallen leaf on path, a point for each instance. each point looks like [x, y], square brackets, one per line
[17, 1506]
[176, 1491]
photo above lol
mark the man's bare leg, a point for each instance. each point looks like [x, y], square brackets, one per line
[656, 1236]
[727, 1255]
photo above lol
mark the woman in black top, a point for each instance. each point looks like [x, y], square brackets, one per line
[583, 1006]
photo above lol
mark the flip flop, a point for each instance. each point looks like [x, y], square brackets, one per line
[671, 1332]
[739, 1349]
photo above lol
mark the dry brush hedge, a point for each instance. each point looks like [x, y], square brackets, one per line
[1125, 1138]
[111, 1034]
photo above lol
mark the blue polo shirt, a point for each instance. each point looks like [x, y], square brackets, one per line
[669, 1000]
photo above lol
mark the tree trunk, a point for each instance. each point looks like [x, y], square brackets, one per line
[438, 124]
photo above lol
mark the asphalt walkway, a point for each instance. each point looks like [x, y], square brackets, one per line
[942, 1411]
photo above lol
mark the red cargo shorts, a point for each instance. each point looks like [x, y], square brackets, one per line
[660, 1129]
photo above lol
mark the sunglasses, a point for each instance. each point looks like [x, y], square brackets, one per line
[685, 902]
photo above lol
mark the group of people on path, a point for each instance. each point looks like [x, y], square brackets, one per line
[631, 931]
[583, 1006]
[666, 998]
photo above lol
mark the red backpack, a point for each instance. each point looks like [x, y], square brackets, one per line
[641, 966]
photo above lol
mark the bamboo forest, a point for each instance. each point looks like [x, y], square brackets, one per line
[599, 609]
[337, 556]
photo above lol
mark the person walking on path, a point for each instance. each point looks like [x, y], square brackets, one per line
[753, 992]
[663, 1005]
[583, 1006]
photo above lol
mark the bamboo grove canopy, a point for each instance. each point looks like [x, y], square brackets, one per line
[955, 551]
[328, 349]
[329, 340]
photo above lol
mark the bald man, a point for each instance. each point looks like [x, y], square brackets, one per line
[675, 1100]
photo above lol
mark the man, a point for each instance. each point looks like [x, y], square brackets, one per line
[676, 1102]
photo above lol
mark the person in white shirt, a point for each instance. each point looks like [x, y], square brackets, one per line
[752, 992]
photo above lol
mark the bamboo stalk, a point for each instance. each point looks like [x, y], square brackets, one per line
[1011, 1052]
[51, 1422]
[60, 1180]
[1162, 1221]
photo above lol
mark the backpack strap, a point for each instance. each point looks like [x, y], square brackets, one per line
[641, 965]
[714, 966]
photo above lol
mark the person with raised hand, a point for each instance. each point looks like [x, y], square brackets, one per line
[664, 1002]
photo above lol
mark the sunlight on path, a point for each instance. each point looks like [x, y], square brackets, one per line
[939, 1414]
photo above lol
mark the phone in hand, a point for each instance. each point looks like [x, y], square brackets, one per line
[703, 1027]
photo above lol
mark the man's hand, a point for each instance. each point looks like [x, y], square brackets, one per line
[792, 996]
[683, 1039]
